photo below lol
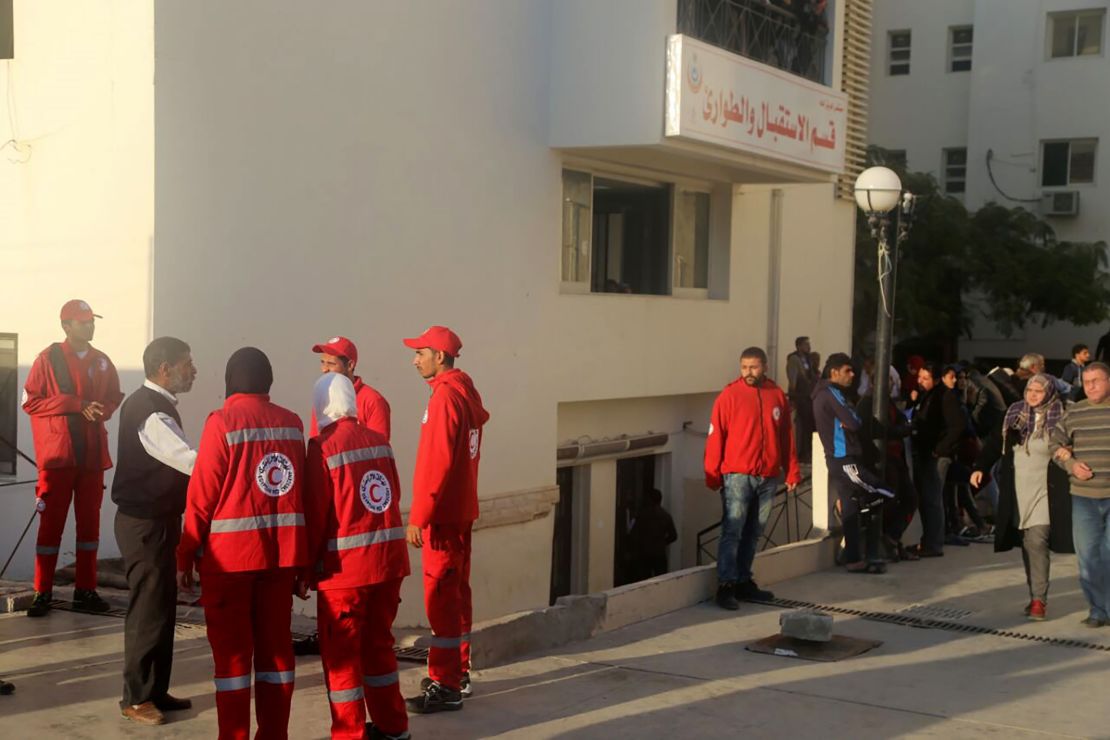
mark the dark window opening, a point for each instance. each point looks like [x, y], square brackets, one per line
[630, 237]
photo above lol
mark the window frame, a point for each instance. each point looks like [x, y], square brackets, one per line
[675, 184]
[945, 166]
[1068, 182]
[891, 49]
[1074, 16]
[953, 45]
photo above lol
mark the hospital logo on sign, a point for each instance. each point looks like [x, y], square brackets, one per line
[375, 491]
[274, 475]
[475, 437]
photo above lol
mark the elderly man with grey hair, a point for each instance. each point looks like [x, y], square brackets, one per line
[1081, 445]
[1032, 364]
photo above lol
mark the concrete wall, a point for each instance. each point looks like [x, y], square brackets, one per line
[76, 201]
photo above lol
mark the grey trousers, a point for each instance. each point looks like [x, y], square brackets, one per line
[1035, 555]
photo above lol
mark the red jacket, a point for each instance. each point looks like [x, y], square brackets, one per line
[356, 536]
[445, 486]
[750, 433]
[373, 411]
[244, 509]
[94, 379]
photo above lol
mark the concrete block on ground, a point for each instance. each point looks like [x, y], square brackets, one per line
[15, 596]
[806, 624]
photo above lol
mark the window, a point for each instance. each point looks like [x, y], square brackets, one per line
[9, 402]
[899, 61]
[627, 236]
[1068, 162]
[691, 240]
[955, 170]
[959, 48]
[1075, 34]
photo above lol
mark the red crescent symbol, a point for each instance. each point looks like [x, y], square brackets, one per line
[270, 476]
[373, 496]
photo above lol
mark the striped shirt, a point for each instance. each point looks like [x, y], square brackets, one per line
[1085, 427]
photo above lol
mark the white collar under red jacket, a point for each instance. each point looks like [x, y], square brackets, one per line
[244, 510]
[356, 536]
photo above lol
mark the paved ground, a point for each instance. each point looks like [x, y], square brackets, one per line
[683, 675]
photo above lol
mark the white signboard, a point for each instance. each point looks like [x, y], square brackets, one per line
[722, 98]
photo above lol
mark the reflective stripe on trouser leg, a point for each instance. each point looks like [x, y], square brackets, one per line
[379, 662]
[56, 491]
[338, 618]
[88, 493]
[227, 614]
[443, 603]
[273, 652]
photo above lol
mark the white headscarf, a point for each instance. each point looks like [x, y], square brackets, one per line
[333, 398]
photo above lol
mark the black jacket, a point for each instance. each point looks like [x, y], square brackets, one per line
[939, 421]
[1006, 532]
[837, 422]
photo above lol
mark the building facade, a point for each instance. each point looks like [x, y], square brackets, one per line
[1003, 101]
[601, 199]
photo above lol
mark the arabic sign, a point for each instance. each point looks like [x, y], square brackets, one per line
[725, 99]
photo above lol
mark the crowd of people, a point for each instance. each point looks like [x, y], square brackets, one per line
[263, 517]
[1016, 457]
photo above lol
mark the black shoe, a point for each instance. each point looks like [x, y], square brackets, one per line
[726, 598]
[464, 686]
[752, 592]
[307, 645]
[87, 600]
[373, 733]
[1094, 622]
[41, 606]
[6, 688]
[435, 698]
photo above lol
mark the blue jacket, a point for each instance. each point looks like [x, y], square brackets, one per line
[838, 424]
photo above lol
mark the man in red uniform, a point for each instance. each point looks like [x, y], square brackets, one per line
[357, 560]
[71, 391]
[244, 524]
[749, 448]
[444, 507]
[339, 355]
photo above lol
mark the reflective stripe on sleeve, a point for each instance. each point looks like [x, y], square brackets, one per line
[366, 539]
[359, 455]
[250, 523]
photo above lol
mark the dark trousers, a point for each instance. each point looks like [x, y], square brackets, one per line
[855, 486]
[147, 546]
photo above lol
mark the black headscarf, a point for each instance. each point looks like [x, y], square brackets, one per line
[248, 371]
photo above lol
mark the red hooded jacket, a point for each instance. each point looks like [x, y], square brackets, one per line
[94, 379]
[373, 411]
[445, 486]
[356, 536]
[750, 433]
[244, 509]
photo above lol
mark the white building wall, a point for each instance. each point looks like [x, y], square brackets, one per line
[1014, 98]
[76, 203]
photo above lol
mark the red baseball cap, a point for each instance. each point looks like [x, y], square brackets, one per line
[438, 338]
[338, 347]
[78, 310]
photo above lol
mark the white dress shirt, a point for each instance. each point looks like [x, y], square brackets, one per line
[164, 440]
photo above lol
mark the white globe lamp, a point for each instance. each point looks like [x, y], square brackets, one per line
[878, 190]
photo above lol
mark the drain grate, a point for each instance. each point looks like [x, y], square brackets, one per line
[411, 654]
[911, 620]
[936, 611]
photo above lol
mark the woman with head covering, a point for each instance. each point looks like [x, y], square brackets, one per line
[1034, 504]
[244, 530]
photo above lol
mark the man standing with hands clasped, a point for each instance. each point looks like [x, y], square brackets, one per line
[155, 462]
[444, 507]
[72, 389]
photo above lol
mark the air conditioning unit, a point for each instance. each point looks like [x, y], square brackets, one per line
[1061, 203]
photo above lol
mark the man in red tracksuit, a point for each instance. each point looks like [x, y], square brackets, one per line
[749, 447]
[339, 355]
[357, 560]
[244, 524]
[71, 391]
[444, 507]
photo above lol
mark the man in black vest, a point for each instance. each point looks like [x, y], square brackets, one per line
[154, 464]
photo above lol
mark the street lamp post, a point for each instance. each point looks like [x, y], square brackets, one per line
[879, 195]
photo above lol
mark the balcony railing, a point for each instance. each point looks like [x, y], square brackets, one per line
[788, 34]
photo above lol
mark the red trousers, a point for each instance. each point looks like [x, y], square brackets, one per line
[356, 647]
[57, 487]
[248, 615]
[446, 558]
